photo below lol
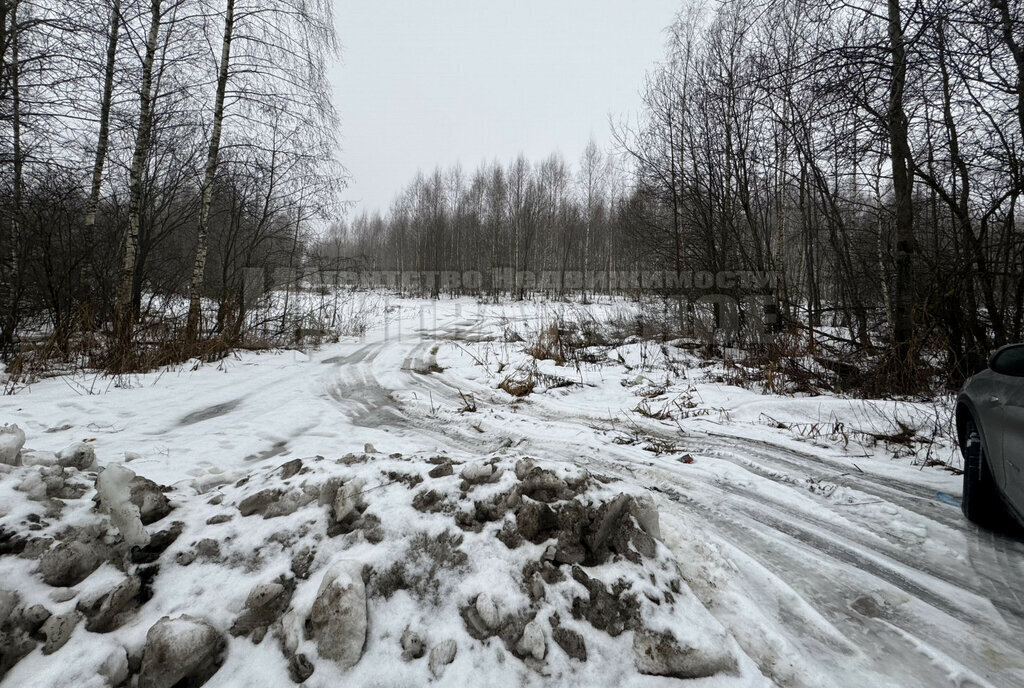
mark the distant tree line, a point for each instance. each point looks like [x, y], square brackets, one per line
[150, 150]
[522, 217]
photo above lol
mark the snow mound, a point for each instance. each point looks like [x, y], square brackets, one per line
[79, 455]
[369, 569]
[12, 439]
[114, 487]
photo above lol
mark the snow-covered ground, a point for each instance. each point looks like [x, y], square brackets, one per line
[794, 544]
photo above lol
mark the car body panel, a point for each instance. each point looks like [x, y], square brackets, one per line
[995, 402]
[1012, 449]
[983, 391]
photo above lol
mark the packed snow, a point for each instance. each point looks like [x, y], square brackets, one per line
[436, 502]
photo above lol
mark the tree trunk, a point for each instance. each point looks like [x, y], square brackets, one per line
[11, 278]
[199, 267]
[123, 311]
[903, 287]
[291, 277]
[104, 135]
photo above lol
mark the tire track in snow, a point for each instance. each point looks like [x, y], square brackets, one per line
[748, 519]
[990, 565]
[1003, 597]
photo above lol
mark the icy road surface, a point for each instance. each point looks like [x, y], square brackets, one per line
[829, 561]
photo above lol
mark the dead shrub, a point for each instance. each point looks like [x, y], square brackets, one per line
[548, 346]
[518, 384]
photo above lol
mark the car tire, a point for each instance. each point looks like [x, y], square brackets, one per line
[982, 504]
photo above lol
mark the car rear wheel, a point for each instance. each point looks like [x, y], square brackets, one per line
[981, 502]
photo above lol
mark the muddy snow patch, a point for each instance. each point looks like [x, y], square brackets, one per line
[363, 569]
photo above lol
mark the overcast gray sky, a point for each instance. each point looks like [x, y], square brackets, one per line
[434, 82]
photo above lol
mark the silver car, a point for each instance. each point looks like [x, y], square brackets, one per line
[990, 429]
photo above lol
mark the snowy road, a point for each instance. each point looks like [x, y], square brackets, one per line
[888, 581]
[829, 564]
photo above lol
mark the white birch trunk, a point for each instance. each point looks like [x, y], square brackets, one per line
[199, 266]
[123, 309]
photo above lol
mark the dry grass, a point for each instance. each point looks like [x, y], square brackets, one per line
[158, 340]
[518, 385]
[549, 345]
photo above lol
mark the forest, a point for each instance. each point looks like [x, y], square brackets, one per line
[154, 150]
[867, 155]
